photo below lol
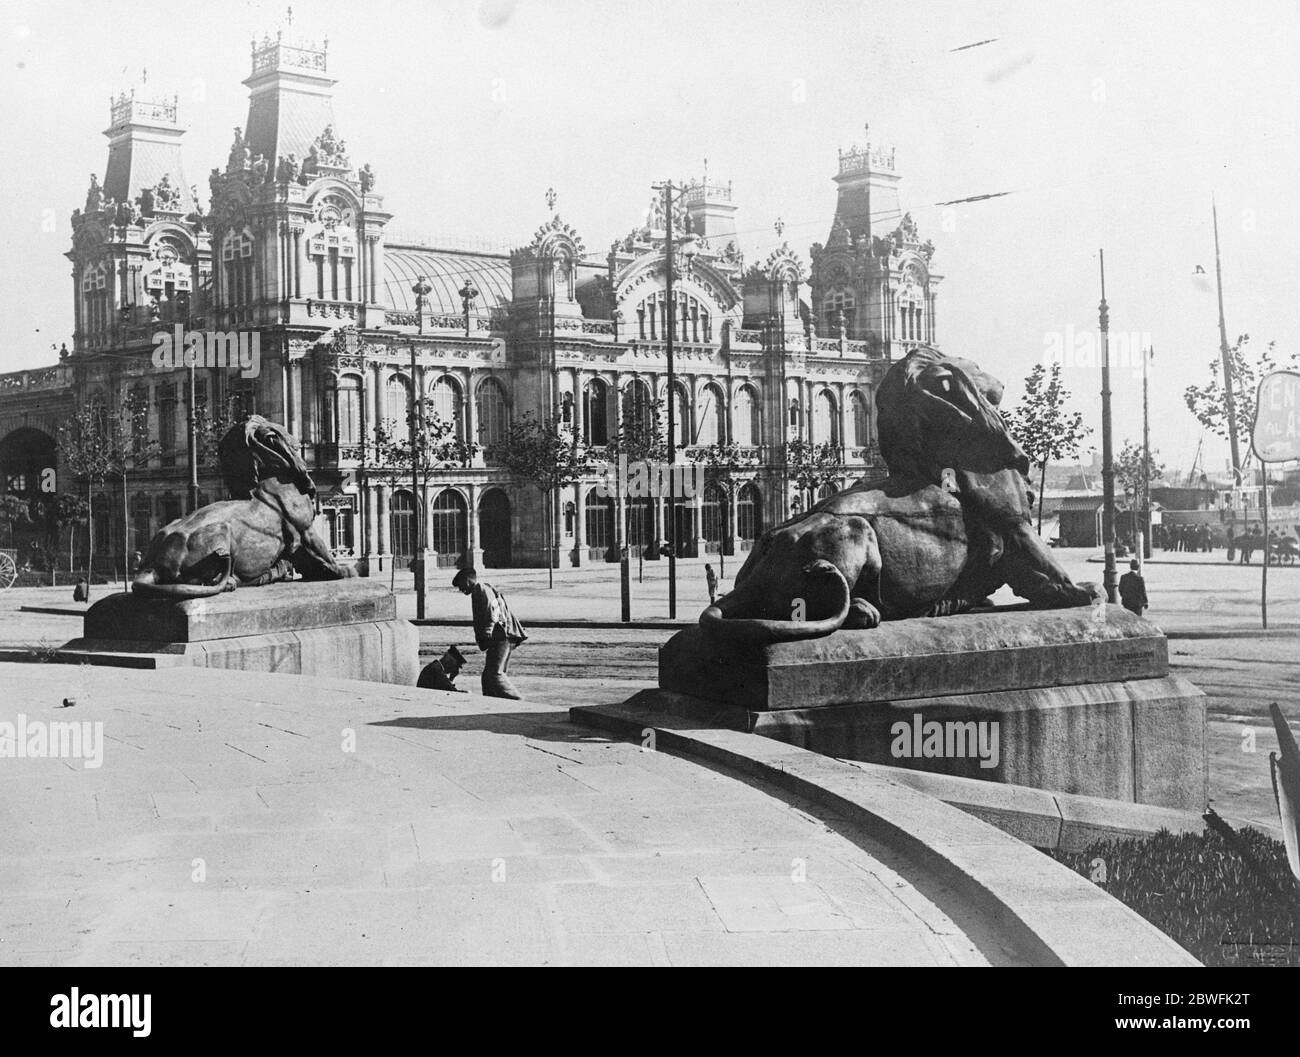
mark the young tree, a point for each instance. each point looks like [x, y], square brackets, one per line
[63, 510]
[1208, 402]
[1043, 427]
[434, 446]
[84, 449]
[812, 465]
[1128, 468]
[543, 452]
[642, 437]
[723, 463]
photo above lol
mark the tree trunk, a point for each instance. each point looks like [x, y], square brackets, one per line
[90, 534]
[126, 539]
[1042, 484]
[550, 539]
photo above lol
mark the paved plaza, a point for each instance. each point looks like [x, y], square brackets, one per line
[250, 819]
[241, 818]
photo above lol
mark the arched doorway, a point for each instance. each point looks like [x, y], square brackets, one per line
[494, 529]
[598, 512]
[401, 517]
[448, 525]
[749, 515]
[27, 473]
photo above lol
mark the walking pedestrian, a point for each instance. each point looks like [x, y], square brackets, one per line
[496, 630]
[711, 578]
[1133, 590]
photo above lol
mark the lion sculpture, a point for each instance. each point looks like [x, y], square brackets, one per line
[948, 526]
[263, 535]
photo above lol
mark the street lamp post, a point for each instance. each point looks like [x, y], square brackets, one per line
[421, 289]
[1110, 578]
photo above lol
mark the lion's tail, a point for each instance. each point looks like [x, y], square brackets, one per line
[146, 584]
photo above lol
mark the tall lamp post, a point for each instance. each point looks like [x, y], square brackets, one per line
[688, 250]
[1110, 578]
[421, 289]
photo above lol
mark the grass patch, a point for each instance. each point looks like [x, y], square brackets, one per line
[1198, 890]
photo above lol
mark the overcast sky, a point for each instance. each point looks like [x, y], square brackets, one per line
[1112, 124]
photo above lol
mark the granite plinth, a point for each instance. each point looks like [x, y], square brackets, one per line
[342, 629]
[250, 611]
[970, 653]
[1079, 701]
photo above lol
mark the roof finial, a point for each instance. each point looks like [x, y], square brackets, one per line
[550, 199]
[289, 16]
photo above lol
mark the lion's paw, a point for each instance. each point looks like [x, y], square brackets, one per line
[862, 614]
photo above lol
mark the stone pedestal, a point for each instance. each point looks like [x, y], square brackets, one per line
[1076, 700]
[346, 629]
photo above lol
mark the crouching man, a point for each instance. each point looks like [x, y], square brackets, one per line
[441, 674]
[496, 630]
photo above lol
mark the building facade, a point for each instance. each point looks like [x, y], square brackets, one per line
[351, 327]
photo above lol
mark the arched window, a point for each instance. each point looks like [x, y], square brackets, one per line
[749, 512]
[397, 405]
[640, 522]
[826, 419]
[492, 417]
[638, 418]
[682, 422]
[709, 415]
[445, 402]
[794, 413]
[595, 413]
[140, 511]
[827, 490]
[447, 522]
[401, 516]
[349, 409]
[861, 420]
[598, 512]
[746, 427]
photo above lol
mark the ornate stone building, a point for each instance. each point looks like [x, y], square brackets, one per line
[352, 325]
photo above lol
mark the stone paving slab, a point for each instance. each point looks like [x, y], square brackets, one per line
[249, 819]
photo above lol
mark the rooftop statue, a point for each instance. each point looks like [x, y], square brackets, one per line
[262, 536]
[948, 526]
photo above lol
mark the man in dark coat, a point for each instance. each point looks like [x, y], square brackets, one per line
[441, 674]
[496, 630]
[1133, 590]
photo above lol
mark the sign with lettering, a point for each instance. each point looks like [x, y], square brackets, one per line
[1276, 434]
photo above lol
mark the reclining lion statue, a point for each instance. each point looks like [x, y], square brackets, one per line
[262, 536]
[948, 526]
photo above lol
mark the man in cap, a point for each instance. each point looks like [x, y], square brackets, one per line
[441, 674]
[496, 630]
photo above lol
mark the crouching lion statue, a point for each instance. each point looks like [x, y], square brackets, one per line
[948, 526]
[262, 536]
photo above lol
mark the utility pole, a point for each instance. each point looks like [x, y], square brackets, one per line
[1110, 578]
[1229, 396]
[672, 402]
[1144, 544]
[193, 441]
[421, 289]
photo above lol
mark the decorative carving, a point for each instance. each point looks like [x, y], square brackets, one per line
[240, 155]
[328, 151]
[94, 196]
